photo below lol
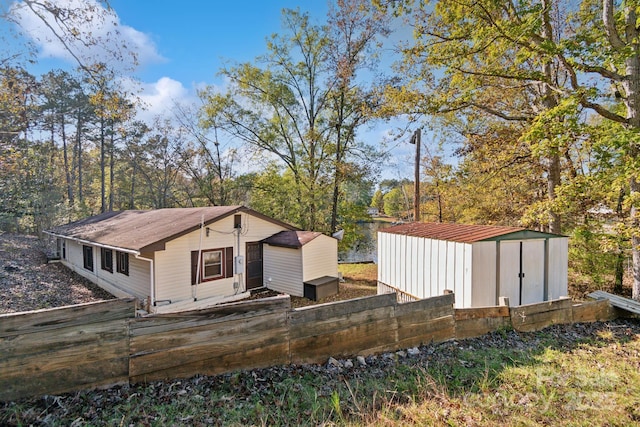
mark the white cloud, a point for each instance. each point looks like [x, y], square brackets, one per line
[91, 32]
[159, 98]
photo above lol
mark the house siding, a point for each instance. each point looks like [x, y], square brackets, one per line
[137, 283]
[173, 265]
[320, 258]
[283, 270]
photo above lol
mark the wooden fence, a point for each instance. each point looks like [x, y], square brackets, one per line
[99, 344]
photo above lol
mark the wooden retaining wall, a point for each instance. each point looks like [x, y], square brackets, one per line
[64, 349]
[99, 344]
[241, 335]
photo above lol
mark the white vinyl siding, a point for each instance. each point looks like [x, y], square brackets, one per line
[283, 269]
[137, 283]
[173, 265]
[320, 258]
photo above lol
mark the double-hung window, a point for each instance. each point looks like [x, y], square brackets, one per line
[106, 259]
[87, 257]
[213, 264]
[122, 263]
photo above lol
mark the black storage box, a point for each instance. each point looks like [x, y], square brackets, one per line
[321, 287]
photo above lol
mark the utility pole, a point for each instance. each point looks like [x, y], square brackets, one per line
[415, 139]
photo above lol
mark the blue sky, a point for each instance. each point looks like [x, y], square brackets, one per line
[196, 37]
[181, 46]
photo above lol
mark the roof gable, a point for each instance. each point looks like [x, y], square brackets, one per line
[464, 233]
[149, 230]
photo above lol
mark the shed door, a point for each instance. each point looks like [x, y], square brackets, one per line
[254, 265]
[522, 261]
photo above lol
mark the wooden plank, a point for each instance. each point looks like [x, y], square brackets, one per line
[243, 358]
[533, 317]
[81, 375]
[427, 305]
[207, 333]
[326, 311]
[331, 325]
[42, 344]
[618, 301]
[474, 327]
[363, 339]
[481, 313]
[593, 311]
[50, 319]
[413, 332]
[161, 323]
[95, 359]
[159, 352]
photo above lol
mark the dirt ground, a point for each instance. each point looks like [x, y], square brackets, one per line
[28, 282]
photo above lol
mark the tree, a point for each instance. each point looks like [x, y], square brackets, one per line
[354, 27]
[492, 67]
[84, 28]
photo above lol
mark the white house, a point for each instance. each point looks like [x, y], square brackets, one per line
[478, 263]
[175, 259]
[301, 263]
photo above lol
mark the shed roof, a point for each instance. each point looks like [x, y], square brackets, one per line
[292, 239]
[463, 233]
[149, 230]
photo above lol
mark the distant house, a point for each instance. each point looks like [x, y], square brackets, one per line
[478, 263]
[184, 258]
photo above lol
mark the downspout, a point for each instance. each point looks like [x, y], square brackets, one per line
[151, 279]
[194, 289]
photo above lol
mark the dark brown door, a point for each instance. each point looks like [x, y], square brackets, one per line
[254, 265]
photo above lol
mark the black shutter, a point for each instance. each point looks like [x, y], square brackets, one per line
[228, 258]
[194, 266]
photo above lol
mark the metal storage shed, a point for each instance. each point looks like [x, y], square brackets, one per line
[479, 263]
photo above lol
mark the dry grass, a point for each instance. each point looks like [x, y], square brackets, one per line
[359, 281]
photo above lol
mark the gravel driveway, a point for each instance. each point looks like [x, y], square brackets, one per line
[28, 282]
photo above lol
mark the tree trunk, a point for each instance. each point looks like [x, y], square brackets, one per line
[103, 198]
[111, 168]
[632, 87]
[65, 157]
[79, 153]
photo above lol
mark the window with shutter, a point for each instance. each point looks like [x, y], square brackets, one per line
[215, 264]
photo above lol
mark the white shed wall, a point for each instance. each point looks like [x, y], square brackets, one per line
[483, 274]
[424, 267]
[558, 261]
[319, 258]
[283, 269]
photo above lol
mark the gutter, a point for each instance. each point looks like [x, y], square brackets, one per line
[89, 242]
[151, 279]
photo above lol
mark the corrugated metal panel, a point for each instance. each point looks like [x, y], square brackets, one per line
[462, 233]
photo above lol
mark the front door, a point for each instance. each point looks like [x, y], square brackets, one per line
[254, 265]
